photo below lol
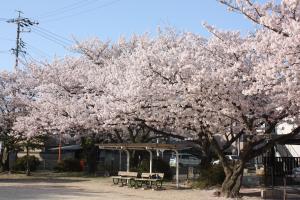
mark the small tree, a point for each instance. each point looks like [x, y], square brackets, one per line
[33, 143]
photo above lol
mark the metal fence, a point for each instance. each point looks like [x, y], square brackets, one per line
[276, 168]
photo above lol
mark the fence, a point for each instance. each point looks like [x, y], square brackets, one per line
[276, 168]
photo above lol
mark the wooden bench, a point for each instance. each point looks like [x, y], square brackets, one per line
[154, 179]
[126, 178]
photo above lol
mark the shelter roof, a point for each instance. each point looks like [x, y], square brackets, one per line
[146, 146]
[295, 140]
[68, 148]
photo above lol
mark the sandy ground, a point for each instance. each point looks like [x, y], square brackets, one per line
[96, 188]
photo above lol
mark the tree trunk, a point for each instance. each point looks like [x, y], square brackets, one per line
[5, 159]
[233, 180]
[27, 162]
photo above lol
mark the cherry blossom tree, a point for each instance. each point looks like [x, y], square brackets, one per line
[12, 105]
[240, 85]
[268, 62]
[177, 83]
[180, 84]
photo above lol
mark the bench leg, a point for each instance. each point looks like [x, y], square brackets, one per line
[116, 181]
[138, 184]
[131, 183]
[158, 184]
[146, 183]
[123, 182]
[150, 184]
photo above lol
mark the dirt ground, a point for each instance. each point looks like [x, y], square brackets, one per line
[78, 188]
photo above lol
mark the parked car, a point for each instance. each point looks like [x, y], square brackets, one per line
[185, 159]
[296, 174]
[229, 157]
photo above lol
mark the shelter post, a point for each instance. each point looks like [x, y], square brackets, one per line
[128, 160]
[120, 160]
[177, 168]
[151, 158]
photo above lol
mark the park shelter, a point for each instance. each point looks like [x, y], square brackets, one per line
[149, 147]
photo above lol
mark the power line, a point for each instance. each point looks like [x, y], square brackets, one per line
[33, 59]
[26, 62]
[67, 8]
[38, 51]
[50, 37]
[54, 34]
[84, 11]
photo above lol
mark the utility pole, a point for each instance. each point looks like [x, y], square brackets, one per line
[22, 23]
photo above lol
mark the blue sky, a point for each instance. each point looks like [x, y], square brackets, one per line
[59, 21]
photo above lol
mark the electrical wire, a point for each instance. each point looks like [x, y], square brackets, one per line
[54, 34]
[83, 12]
[26, 62]
[54, 37]
[51, 38]
[38, 51]
[67, 8]
[33, 59]
[23, 62]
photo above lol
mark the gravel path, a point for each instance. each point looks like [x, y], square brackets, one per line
[92, 189]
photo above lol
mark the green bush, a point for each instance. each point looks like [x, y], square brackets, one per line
[210, 176]
[158, 165]
[68, 165]
[21, 163]
[59, 167]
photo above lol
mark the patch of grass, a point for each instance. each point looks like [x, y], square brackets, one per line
[64, 174]
[59, 174]
[47, 175]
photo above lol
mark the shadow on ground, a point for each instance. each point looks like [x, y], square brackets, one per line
[19, 186]
[45, 192]
[251, 194]
[292, 192]
[39, 180]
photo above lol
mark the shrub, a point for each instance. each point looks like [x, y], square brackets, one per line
[21, 163]
[210, 176]
[59, 167]
[68, 165]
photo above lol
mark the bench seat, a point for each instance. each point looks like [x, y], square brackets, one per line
[150, 180]
[125, 178]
